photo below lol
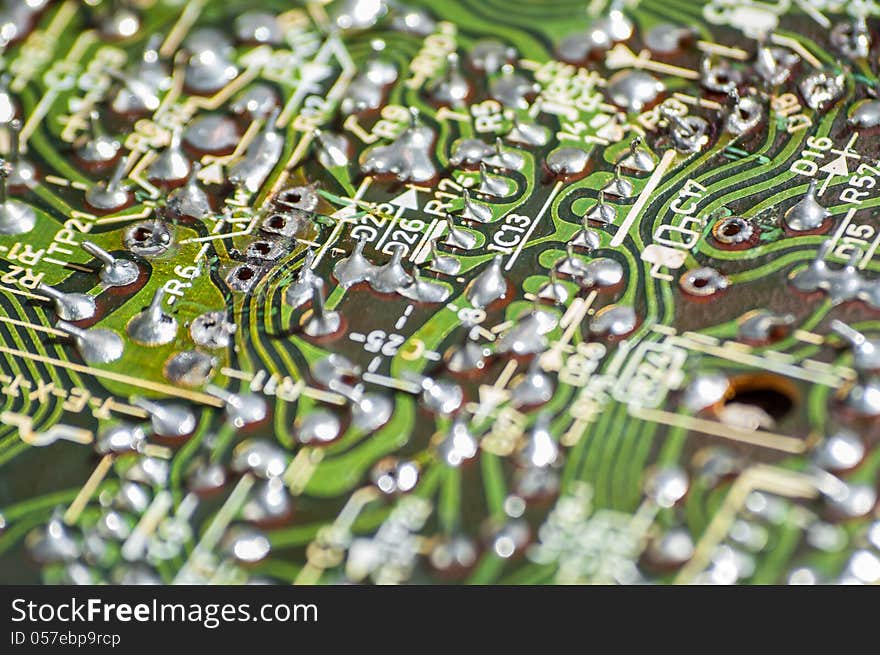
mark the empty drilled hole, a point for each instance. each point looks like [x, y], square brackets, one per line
[277, 221]
[772, 394]
[142, 234]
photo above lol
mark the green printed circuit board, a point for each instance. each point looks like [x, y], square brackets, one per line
[441, 291]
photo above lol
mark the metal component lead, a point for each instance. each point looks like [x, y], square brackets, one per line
[467, 357]
[441, 263]
[332, 148]
[618, 185]
[22, 175]
[441, 396]
[688, 133]
[210, 65]
[822, 89]
[553, 289]
[408, 157]
[168, 420]
[458, 445]
[866, 352]
[212, 330]
[320, 322]
[866, 114]
[70, 306]
[529, 134]
[98, 148]
[452, 88]
[52, 542]
[509, 160]
[95, 346]
[115, 272]
[774, 65]
[457, 237]
[601, 212]
[172, 165]
[533, 388]
[391, 276]
[355, 268]
[152, 326]
[567, 161]
[260, 158]
[614, 320]
[318, 427]
[110, 195]
[527, 336]
[540, 448]
[488, 286]
[512, 89]
[634, 89]
[424, 290]
[638, 158]
[853, 39]
[299, 291]
[492, 185]
[15, 216]
[745, 113]
[190, 199]
[369, 411]
[241, 408]
[807, 214]
[475, 211]
[469, 152]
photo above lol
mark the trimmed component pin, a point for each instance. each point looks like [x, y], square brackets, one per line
[492, 185]
[15, 216]
[241, 408]
[866, 352]
[320, 322]
[97, 149]
[356, 267]
[534, 388]
[23, 174]
[424, 290]
[115, 272]
[168, 420]
[458, 444]
[95, 346]
[441, 263]
[601, 212]
[510, 160]
[618, 185]
[263, 153]
[69, 306]
[369, 411]
[391, 276]
[467, 356]
[638, 158]
[474, 211]
[172, 166]
[807, 214]
[110, 195]
[332, 149]
[153, 327]
[488, 286]
[553, 289]
[190, 199]
[457, 237]
[300, 290]
[452, 88]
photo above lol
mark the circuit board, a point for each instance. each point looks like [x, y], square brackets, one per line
[472, 291]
